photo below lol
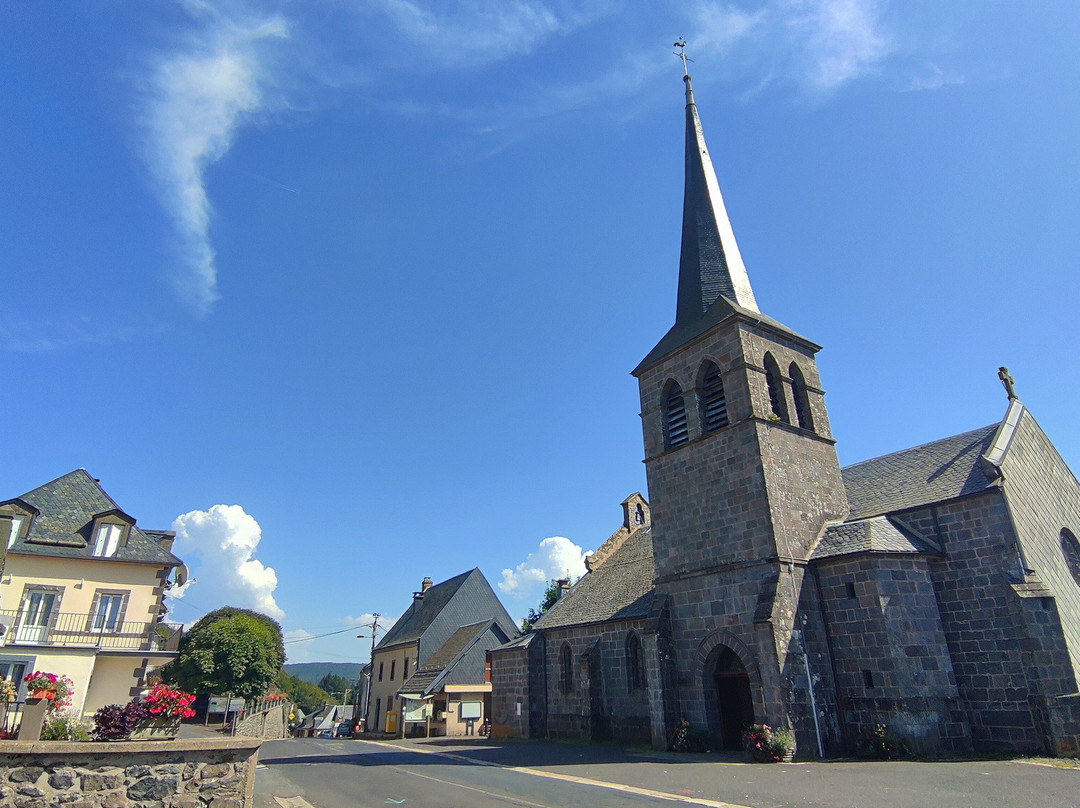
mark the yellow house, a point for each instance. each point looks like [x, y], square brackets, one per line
[81, 593]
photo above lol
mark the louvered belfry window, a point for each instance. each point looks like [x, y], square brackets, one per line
[675, 417]
[713, 402]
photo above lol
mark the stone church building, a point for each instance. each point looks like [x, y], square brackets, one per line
[935, 590]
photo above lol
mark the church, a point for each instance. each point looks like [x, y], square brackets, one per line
[935, 590]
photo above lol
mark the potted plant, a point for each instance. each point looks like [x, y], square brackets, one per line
[55, 689]
[8, 692]
[768, 745]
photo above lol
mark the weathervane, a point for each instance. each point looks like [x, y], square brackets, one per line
[681, 53]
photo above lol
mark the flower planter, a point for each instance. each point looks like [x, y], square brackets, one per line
[39, 694]
[156, 729]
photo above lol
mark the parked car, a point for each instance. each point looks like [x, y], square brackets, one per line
[344, 729]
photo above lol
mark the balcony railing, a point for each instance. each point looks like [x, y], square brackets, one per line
[67, 630]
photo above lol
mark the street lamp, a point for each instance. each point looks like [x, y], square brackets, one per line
[374, 626]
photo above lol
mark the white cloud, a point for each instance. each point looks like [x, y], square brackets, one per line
[198, 98]
[556, 557]
[819, 45]
[843, 39]
[224, 540]
[474, 32]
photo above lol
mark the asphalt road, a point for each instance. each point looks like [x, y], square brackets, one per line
[340, 773]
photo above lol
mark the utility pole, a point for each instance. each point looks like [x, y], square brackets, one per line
[374, 626]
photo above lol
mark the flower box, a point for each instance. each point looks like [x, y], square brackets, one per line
[156, 729]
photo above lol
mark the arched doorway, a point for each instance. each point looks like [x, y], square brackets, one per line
[728, 698]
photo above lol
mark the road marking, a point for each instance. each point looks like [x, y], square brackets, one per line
[493, 794]
[293, 802]
[568, 778]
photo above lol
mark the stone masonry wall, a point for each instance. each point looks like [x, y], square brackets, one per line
[203, 773]
[890, 657]
[269, 725]
[983, 623]
[600, 703]
[510, 696]
[1044, 497]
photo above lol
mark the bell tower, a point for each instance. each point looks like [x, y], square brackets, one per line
[742, 471]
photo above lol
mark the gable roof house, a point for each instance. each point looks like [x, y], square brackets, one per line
[935, 590]
[435, 615]
[82, 591]
[448, 692]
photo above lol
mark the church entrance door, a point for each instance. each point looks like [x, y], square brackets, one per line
[728, 697]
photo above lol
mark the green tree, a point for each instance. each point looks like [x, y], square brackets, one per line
[307, 696]
[551, 594]
[332, 683]
[230, 650]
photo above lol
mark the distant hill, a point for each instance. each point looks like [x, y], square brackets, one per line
[314, 671]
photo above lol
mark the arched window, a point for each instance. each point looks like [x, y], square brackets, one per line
[675, 433]
[1070, 548]
[711, 399]
[566, 669]
[635, 662]
[802, 401]
[639, 515]
[777, 401]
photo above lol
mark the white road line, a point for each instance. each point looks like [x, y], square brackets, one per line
[492, 794]
[568, 778]
[292, 802]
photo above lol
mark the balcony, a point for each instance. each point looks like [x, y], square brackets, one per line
[66, 630]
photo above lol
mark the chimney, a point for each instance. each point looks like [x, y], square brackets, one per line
[563, 585]
[425, 585]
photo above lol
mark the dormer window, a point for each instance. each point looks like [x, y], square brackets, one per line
[107, 539]
[18, 522]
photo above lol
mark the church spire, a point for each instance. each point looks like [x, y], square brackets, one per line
[710, 264]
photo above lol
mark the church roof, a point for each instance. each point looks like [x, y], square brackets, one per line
[877, 534]
[65, 511]
[934, 472]
[619, 589]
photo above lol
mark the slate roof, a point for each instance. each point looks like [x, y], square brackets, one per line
[620, 589]
[440, 666]
[943, 470]
[420, 614]
[62, 527]
[877, 535]
[445, 607]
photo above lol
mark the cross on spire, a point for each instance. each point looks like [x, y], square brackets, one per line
[1007, 381]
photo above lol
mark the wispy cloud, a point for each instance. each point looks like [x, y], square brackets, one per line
[817, 45]
[44, 336]
[198, 97]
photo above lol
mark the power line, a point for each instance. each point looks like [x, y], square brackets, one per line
[319, 636]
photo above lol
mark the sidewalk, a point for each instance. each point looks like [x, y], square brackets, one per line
[730, 778]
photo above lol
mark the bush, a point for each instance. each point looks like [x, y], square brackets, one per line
[685, 738]
[65, 725]
[115, 722]
[768, 745]
[882, 743]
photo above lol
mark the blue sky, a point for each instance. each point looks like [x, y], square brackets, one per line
[348, 293]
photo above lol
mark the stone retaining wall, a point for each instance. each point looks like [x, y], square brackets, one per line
[270, 725]
[185, 773]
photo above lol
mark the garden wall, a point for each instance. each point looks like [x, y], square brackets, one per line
[185, 773]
